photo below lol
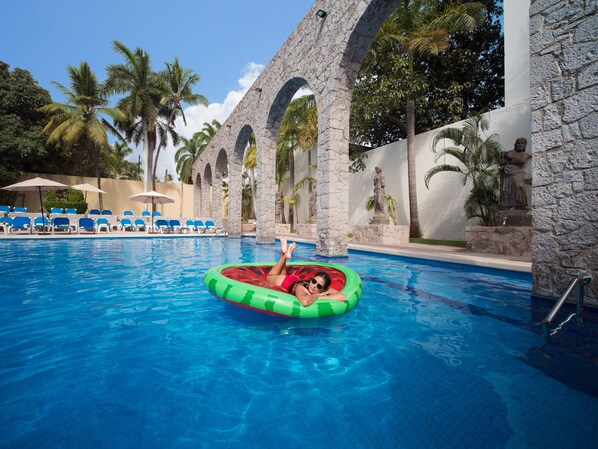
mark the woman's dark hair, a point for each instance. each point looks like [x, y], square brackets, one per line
[325, 278]
[305, 282]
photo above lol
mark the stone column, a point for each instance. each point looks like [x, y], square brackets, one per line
[564, 93]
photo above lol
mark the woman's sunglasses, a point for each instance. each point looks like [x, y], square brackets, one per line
[318, 285]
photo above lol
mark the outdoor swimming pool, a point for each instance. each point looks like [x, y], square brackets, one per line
[115, 343]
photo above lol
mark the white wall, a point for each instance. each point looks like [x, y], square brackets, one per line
[441, 207]
[517, 51]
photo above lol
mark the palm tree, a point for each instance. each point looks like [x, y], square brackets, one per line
[420, 32]
[81, 119]
[479, 158]
[143, 88]
[117, 159]
[298, 130]
[186, 156]
[249, 163]
[176, 84]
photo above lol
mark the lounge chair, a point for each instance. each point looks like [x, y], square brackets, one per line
[61, 224]
[41, 225]
[190, 225]
[86, 225]
[125, 224]
[127, 213]
[103, 224]
[146, 213]
[162, 226]
[70, 211]
[56, 210]
[94, 212]
[106, 212]
[157, 214]
[200, 226]
[19, 210]
[175, 225]
[211, 227]
[21, 224]
[5, 210]
[5, 224]
[139, 224]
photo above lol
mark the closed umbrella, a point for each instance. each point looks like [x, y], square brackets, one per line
[152, 197]
[38, 184]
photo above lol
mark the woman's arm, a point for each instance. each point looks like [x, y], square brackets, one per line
[303, 295]
[305, 298]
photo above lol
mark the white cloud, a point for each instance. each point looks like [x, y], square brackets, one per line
[198, 115]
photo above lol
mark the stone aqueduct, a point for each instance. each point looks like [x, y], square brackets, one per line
[326, 53]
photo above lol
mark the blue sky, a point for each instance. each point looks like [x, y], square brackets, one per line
[226, 42]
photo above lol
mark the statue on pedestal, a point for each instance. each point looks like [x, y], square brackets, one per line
[379, 199]
[512, 193]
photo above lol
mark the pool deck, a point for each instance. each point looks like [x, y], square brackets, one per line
[415, 250]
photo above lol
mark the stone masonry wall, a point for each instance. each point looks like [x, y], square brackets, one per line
[506, 240]
[564, 103]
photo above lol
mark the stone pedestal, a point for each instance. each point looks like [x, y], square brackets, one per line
[379, 220]
[515, 217]
[381, 234]
[307, 230]
[503, 240]
[282, 229]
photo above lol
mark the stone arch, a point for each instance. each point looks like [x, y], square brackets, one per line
[310, 54]
[206, 192]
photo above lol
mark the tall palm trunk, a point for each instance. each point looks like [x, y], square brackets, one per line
[252, 187]
[414, 229]
[292, 181]
[160, 145]
[96, 154]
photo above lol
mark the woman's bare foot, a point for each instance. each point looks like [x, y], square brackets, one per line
[289, 252]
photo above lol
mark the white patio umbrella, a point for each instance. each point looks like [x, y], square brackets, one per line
[152, 197]
[85, 187]
[38, 184]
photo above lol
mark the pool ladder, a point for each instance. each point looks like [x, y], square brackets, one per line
[580, 281]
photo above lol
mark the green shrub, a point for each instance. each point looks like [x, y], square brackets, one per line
[66, 199]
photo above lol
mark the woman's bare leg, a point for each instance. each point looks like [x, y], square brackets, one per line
[277, 273]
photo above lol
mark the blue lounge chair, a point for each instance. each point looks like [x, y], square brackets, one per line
[61, 224]
[41, 225]
[146, 213]
[106, 212]
[127, 213]
[200, 226]
[211, 227]
[162, 226]
[125, 224]
[175, 226]
[5, 210]
[94, 212]
[56, 210]
[70, 211]
[5, 224]
[21, 224]
[103, 224]
[190, 225]
[86, 225]
[139, 224]
[19, 210]
[157, 214]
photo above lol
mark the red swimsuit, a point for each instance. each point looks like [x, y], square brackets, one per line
[288, 282]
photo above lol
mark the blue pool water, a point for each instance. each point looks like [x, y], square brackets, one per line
[115, 343]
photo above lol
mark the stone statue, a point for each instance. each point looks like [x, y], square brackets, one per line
[379, 199]
[512, 193]
[379, 194]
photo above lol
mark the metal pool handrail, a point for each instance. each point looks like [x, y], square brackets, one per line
[581, 280]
